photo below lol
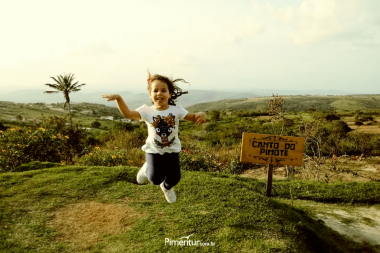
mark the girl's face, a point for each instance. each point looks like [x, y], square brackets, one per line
[159, 94]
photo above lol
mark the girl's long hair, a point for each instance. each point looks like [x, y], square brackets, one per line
[172, 86]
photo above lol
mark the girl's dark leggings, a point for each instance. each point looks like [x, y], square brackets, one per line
[163, 168]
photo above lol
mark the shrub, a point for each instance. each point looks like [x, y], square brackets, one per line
[96, 124]
[361, 118]
[198, 162]
[357, 144]
[125, 126]
[2, 127]
[20, 146]
[74, 138]
[50, 140]
[115, 157]
[124, 139]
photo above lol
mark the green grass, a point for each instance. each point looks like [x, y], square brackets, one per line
[332, 192]
[11, 112]
[230, 211]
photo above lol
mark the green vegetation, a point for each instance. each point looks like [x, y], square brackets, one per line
[361, 118]
[229, 211]
[296, 103]
[51, 140]
[96, 124]
[84, 113]
[214, 146]
[218, 206]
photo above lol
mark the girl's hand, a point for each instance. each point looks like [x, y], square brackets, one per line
[111, 96]
[200, 118]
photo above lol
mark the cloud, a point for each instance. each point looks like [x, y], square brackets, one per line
[96, 49]
[316, 21]
[238, 29]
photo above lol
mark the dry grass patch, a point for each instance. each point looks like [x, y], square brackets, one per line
[348, 170]
[85, 223]
[373, 128]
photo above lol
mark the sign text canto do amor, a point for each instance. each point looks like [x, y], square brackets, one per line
[272, 150]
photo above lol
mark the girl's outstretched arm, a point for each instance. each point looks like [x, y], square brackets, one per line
[198, 118]
[123, 108]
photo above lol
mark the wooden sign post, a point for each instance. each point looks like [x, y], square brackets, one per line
[272, 150]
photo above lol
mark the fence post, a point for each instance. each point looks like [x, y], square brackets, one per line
[269, 180]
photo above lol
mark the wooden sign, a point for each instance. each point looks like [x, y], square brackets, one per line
[272, 149]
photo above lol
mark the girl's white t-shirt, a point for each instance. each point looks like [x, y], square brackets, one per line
[162, 128]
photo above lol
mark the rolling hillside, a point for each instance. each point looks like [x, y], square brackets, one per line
[296, 103]
[9, 110]
[132, 99]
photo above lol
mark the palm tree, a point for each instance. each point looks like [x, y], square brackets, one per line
[65, 85]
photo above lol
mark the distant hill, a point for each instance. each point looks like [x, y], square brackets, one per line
[295, 103]
[9, 110]
[133, 100]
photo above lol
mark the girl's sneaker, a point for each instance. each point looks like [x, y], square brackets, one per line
[169, 194]
[141, 176]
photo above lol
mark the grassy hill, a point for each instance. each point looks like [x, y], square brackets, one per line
[297, 103]
[102, 209]
[133, 100]
[85, 113]
[10, 110]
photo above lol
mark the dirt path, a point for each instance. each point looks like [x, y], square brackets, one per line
[361, 224]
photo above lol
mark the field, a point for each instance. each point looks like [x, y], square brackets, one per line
[297, 103]
[330, 204]
[102, 209]
[373, 127]
[33, 111]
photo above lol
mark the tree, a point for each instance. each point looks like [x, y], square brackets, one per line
[96, 124]
[65, 85]
[276, 109]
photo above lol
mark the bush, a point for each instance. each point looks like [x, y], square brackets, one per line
[2, 127]
[328, 138]
[358, 143]
[96, 124]
[115, 157]
[51, 140]
[361, 118]
[125, 126]
[20, 146]
[74, 137]
[198, 162]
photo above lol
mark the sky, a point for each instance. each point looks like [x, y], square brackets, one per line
[236, 45]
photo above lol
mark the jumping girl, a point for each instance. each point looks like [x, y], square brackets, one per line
[162, 145]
